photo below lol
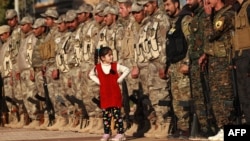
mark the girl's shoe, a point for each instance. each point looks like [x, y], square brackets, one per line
[105, 137]
[119, 137]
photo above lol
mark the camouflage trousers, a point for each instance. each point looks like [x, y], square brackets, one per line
[90, 90]
[158, 90]
[197, 95]
[180, 88]
[28, 91]
[54, 89]
[143, 76]
[221, 89]
[132, 84]
[12, 91]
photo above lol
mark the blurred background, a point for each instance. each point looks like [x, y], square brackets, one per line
[36, 7]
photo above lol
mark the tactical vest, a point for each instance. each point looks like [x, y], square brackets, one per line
[147, 48]
[177, 47]
[220, 47]
[61, 56]
[241, 39]
[29, 52]
[88, 47]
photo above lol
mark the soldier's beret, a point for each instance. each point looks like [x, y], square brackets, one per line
[10, 13]
[70, 15]
[38, 23]
[50, 12]
[85, 8]
[4, 29]
[26, 20]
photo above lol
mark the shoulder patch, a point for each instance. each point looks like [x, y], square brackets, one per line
[219, 24]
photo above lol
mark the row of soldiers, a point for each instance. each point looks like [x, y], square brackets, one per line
[177, 55]
[45, 64]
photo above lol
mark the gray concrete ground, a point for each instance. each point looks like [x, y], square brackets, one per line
[9, 134]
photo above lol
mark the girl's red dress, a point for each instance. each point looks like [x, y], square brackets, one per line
[110, 92]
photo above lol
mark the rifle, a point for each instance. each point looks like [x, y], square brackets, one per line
[49, 106]
[236, 102]
[72, 99]
[170, 113]
[3, 108]
[211, 120]
[16, 106]
[125, 101]
[143, 110]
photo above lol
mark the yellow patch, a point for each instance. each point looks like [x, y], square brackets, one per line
[219, 24]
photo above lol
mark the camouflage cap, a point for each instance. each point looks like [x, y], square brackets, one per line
[50, 12]
[111, 10]
[26, 20]
[60, 19]
[10, 13]
[136, 7]
[99, 9]
[38, 23]
[4, 28]
[85, 8]
[70, 15]
[143, 2]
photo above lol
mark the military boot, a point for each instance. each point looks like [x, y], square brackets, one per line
[54, 126]
[98, 127]
[44, 124]
[12, 120]
[152, 130]
[20, 124]
[90, 125]
[69, 123]
[164, 130]
[33, 124]
[131, 130]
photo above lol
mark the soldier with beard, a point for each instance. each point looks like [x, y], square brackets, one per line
[178, 62]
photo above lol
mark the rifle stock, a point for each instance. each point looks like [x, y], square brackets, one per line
[125, 102]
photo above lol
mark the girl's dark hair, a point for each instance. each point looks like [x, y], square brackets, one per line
[101, 52]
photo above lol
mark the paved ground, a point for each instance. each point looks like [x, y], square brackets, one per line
[8, 134]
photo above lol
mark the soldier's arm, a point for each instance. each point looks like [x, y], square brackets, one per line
[185, 29]
[221, 26]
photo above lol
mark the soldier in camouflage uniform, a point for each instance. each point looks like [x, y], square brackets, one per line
[127, 55]
[142, 27]
[84, 16]
[158, 83]
[61, 104]
[72, 79]
[48, 55]
[178, 61]
[95, 123]
[219, 52]
[36, 73]
[8, 68]
[196, 45]
[12, 20]
[24, 65]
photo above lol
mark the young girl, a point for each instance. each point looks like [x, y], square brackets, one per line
[107, 75]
